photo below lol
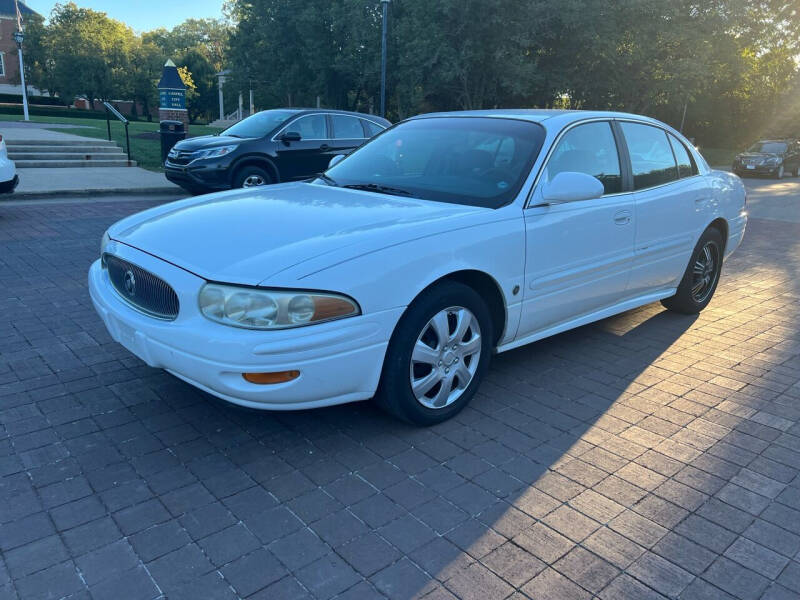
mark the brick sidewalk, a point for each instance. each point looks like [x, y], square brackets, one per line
[649, 455]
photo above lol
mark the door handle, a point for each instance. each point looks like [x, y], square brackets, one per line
[324, 147]
[623, 217]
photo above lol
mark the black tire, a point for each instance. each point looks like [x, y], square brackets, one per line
[395, 394]
[251, 173]
[797, 171]
[779, 173]
[686, 301]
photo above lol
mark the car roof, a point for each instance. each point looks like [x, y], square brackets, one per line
[337, 111]
[538, 115]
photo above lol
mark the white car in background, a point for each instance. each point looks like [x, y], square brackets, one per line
[398, 272]
[8, 170]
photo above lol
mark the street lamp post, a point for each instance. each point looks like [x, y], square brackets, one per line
[385, 7]
[18, 37]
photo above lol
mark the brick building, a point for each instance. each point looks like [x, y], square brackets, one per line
[9, 62]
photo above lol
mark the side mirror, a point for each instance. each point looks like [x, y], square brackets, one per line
[569, 186]
[336, 160]
[291, 136]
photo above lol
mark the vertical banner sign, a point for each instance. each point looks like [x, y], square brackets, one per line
[171, 90]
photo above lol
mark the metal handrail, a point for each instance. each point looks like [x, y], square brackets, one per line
[110, 110]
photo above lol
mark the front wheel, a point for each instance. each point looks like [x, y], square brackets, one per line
[701, 277]
[251, 176]
[438, 355]
[779, 173]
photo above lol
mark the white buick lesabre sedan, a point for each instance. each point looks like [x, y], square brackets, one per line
[398, 272]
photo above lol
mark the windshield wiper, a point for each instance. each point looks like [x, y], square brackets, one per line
[376, 187]
[328, 180]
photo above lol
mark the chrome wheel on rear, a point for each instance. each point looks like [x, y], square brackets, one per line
[705, 272]
[445, 357]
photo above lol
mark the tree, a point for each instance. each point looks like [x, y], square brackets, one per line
[201, 100]
[145, 70]
[90, 52]
[36, 64]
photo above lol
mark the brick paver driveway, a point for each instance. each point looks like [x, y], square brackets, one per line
[649, 455]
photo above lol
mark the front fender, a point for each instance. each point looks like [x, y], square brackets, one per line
[393, 276]
[252, 159]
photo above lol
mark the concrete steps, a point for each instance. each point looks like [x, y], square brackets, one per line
[57, 164]
[44, 154]
[87, 149]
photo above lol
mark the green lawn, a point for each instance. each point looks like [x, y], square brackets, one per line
[718, 157]
[145, 151]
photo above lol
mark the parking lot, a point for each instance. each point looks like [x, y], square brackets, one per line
[649, 455]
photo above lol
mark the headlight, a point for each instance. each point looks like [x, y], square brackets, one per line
[103, 245]
[214, 152]
[775, 160]
[254, 308]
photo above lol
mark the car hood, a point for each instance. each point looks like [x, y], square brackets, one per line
[247, 236]
[207, 141]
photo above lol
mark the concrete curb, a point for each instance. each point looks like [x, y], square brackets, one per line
[96, 192]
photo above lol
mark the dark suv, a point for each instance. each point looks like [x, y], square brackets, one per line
[775, 158]
[269, 147]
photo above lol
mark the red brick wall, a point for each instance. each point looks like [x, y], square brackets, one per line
[9, 49]
[171, 114]
[123, 106]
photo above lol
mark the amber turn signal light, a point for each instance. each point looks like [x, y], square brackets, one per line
[271, 378]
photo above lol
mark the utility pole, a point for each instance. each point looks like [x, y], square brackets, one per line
[385, 7]
[18, 37]
[683, 118]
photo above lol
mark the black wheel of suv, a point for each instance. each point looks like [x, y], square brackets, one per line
[780, 172]
[701, 277]
[251, 176]
[438, 355]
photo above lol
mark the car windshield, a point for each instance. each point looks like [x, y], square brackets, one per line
[259, 124]
[768, 147]
[478, 161]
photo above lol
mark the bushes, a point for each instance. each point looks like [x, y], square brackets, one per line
[53, 111]
[42, 100]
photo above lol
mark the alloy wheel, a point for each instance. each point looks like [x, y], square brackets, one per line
[445, 357]
[705, 272]
[253, 181]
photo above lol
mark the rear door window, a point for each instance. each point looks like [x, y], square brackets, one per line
[371, 128]
[652, 160]
[347, 128]
[686, 166]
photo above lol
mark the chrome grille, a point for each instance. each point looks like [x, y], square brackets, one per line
[143, 290]
[177, 157]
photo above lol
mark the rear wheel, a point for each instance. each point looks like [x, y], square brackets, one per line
[438, 355]
[701, 277]
[251, 176]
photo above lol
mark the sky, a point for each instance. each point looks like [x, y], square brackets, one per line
[142, 15]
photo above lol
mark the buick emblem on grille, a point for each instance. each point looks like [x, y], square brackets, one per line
[130, 283]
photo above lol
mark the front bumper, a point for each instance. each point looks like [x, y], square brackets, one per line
[6, 187]
[757, 170]
[339, 362]
[210, 175]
